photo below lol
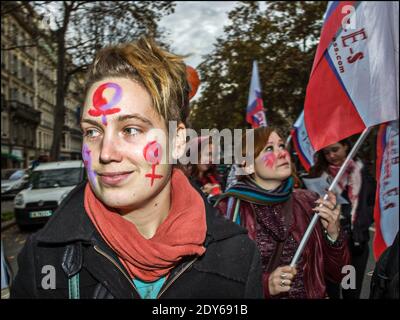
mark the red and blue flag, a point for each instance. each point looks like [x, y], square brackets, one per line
[255, 108]
[354, 79]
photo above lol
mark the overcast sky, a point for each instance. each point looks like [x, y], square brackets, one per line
[194, 27]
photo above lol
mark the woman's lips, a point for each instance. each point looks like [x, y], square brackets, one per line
[283, 164]
[113, 178]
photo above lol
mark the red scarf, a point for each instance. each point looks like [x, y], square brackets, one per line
[181, 234]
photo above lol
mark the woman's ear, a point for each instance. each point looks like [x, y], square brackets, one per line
[179, 145]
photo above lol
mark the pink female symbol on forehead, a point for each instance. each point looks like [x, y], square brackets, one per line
[101, 106]
[152, 153]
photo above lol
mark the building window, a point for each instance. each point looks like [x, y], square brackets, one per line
[22, 71]
[3, 58]
[29, 76]
[64, 141]
[38, 142]
[14, 94]
[22, 134]
[12, 29]
[14, 64]
[23, 98]
[16, 129]
[4, 125]
[31, 137]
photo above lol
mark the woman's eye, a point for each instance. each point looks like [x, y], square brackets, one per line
[131, 131]
[90, 133]
[269, 148]
[282, 146]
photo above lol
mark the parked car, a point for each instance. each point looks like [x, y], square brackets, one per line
[50, 183]
[13, 181]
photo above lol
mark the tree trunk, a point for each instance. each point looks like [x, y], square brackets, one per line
[59, 111]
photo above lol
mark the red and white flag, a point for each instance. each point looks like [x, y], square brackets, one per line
[354, 79]
[386, 212]
[255, 114]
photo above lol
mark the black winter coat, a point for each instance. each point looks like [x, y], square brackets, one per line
[70, 244]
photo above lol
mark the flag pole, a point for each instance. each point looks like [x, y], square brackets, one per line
[289, 138]
[314, 220]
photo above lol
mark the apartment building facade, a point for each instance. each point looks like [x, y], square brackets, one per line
[28, 95]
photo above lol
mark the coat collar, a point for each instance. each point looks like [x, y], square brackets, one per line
[70, 222]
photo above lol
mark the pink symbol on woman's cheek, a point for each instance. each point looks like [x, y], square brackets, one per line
[87, 160]
[269, 160]
[152, 153]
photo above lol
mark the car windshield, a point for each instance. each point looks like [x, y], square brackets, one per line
[17, 175]
[13, 174]
[56, 178]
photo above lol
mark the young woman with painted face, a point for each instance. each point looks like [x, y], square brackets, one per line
[357, 186]
[276, 216]
[137, 228]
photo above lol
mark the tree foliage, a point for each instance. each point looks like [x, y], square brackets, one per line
[282, 37]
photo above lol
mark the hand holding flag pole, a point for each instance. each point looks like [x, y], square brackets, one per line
[314, 220]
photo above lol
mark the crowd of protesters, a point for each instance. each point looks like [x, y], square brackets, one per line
[143, 228]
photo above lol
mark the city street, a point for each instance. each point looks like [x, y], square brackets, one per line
[14, 240]
[7, 206]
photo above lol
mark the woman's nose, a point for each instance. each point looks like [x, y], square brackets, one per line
[109, 151]
[330, 156]
[281, 154]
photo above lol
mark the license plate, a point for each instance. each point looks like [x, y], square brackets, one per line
[40, 214]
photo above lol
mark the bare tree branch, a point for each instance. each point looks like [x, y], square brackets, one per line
[18, 47]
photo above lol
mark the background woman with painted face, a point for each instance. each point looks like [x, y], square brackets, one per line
[137, 228]
[204, 174]
[357, 186]
[276, 216]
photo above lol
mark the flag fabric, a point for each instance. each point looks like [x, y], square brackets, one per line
[354, 79]
[386, 212]
[302, 144]
[255, 108]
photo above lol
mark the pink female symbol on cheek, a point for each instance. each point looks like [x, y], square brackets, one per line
[269, 160]
[87, 160]
[152, 153]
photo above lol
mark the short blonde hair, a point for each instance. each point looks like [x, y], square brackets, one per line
[161, 73]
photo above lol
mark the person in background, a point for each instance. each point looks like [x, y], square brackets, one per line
[277, 215]
[385, 279]
[204, 174]
[357, 187]
[6, 275]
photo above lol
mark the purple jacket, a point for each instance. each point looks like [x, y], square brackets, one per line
[322, 261]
